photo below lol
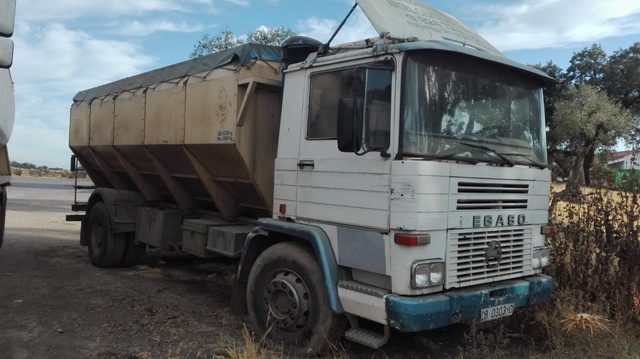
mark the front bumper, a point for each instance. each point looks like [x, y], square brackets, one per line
[413, 314]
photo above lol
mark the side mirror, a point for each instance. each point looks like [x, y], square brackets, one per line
[6, 53]
[72, 168]
[350, 118]
[7, 23]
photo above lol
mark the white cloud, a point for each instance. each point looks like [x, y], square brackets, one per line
[44, 10]
[356, 28]
[320, 29]
[243, 3]
[54, 58]
[534, 24]
[52, 63]
[137, 28]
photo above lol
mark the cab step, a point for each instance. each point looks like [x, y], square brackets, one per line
[368, 337]
[363, 301]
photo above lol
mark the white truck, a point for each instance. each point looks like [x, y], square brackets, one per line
[7, 101]
[400, 181]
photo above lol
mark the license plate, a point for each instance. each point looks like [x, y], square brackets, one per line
[496, 312]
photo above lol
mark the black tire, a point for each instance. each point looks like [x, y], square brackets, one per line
[287, 301]
[133, 251]
[106, 249]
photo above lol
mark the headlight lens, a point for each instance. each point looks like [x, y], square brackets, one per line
[427, 273]
[540, 257]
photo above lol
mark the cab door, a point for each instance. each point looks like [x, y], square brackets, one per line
[348, 186]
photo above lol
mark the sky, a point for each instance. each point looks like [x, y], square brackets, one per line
[65, 46]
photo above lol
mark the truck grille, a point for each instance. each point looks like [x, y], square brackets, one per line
[489, 196]
[468, 261]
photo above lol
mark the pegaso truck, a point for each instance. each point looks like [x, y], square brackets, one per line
[7, 101]
[400, 181]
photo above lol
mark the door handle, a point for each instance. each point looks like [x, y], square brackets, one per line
[306, 163]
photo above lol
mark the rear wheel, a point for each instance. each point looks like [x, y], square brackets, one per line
[287, 301]
[106, 249]
[133, 251]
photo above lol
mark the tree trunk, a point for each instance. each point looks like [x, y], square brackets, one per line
[586, 166]
[576, 177]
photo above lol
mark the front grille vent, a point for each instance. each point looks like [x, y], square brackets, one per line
[468, 264]
[506, 188]
[474, 196]
[478, 204]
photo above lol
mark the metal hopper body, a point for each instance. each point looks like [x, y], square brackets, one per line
[201, 134]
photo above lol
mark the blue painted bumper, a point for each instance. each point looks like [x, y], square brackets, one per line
[413, 314]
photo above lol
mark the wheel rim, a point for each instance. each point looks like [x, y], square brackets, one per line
[287, 298]
[96, 237]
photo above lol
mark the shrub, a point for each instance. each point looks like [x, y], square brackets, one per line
[597, 251]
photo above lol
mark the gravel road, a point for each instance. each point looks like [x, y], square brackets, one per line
[55, 304]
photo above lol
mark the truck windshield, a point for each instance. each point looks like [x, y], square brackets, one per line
[473, 111]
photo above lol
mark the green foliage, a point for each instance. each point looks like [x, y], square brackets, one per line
[617, 79]
[586, 118]
[270, 36]
[622, 78]
[208, 44]
[23, 165]
[588, 121]
[587, 67]
[226, 39]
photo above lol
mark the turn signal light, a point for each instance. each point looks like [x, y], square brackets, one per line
[412, 239]
[283, 208]
[547, 230]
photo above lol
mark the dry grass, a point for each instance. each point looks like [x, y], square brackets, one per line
[583, 322]
[250, 349]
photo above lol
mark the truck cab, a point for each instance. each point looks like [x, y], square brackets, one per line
[421, 161]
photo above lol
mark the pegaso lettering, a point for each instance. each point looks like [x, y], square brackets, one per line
[499, 220]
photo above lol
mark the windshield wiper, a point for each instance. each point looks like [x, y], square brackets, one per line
[532, 161]
[491, 150]
[452, 156]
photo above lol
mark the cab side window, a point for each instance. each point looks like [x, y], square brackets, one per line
[326, 91]
[377, 116]
[369, 88]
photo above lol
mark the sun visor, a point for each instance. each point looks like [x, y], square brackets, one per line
[407, 19]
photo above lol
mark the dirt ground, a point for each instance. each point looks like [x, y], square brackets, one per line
[55, 304]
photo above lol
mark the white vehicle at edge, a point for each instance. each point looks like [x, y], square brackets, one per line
[7, 100]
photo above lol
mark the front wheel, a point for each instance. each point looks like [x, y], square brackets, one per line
[287, 301]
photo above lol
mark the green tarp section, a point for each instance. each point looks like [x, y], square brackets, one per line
[623, 175]
[243, 53]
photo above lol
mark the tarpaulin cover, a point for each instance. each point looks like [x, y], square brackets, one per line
[243, 53]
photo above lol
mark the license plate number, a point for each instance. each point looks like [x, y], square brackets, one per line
[496, 312]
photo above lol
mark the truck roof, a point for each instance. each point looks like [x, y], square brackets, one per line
[244, 54]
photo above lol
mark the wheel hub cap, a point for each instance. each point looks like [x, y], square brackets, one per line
[288, 300]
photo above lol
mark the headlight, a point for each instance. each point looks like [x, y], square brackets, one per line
[540, 257]
[427, 273]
